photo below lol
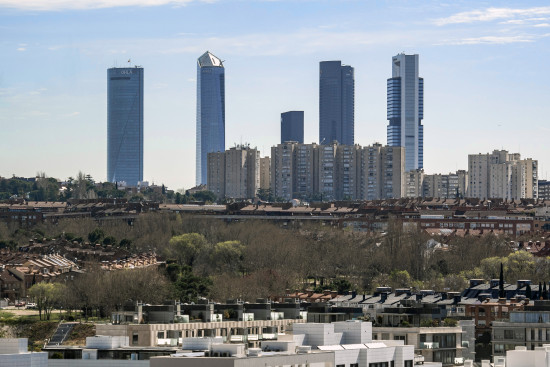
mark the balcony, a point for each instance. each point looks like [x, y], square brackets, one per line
[429, 345]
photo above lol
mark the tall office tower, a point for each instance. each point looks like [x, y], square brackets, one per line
[292, 126]
[210, 111]
[234, 173]
[502, 175]
[125, 125]
[406, 110]
[336, 103]
[382, 171]
[282, 170]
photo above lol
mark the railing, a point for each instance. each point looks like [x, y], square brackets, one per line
[429, 345]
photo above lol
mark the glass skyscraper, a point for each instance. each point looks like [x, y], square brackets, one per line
[125, 125]
[292, 126]
[406, 110]
[210, 111]
[336, 103]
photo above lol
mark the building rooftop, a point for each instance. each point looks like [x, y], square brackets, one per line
[208, 59]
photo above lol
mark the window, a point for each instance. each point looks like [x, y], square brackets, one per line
[508, 334]
[409, 363]
[135, 338]
[379, 364]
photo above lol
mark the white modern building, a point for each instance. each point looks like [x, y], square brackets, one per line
[14, 353]
[339, 344]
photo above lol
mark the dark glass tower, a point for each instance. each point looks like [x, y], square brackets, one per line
[292, 126]
[336, 103]
[406, 110]
[210, 111]
[125, 125]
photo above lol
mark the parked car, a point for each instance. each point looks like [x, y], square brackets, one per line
[31, 306]
[20, 304]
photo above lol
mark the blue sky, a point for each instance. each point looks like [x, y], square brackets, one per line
[484, 64]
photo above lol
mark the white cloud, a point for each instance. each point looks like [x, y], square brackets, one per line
[542, 25]
[37, 91]
[491, 14]
[54, 5]
[21, 49]
[72, 114]
[498, 40]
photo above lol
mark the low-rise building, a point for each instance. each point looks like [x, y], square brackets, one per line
[14, 352]
[529, 328]
[343, 344]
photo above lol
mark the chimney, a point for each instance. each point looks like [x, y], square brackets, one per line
[383, 297]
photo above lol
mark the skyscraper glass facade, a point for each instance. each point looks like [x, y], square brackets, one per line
[292, 126]
[210, 111]
[336, 103]
[405, 110]
[125, 125]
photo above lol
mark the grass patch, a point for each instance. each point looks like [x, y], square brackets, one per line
[79, 334]
[6, 315]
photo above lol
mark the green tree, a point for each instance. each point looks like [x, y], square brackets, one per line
[96, 235]
[189, 287]
[110, 240]
[186, 247]
[46, 296]
[228, 256]
[206, 196]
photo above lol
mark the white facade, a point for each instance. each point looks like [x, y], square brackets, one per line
[14, 353]
[521, 357]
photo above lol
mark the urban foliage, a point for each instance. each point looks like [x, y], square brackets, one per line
[211, 258]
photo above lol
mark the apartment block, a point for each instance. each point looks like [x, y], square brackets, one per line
[451, 186]
[265, 173]
[337, 172]
[348, 172]
[544, 189]
[327, 171]
[282, 168]
[305, 170]
[502, 175]
[413, 183]
[216, 173]
[382, 172]
[240, 176]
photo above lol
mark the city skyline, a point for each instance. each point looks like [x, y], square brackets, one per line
[483, 65]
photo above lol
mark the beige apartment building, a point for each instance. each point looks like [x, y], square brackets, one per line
[382, 171]
[337, 172]
[216, 173]
[502, 175]
[413, 183]
[282, 170]
[265, 173]
[240, 176]
[450, 186]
